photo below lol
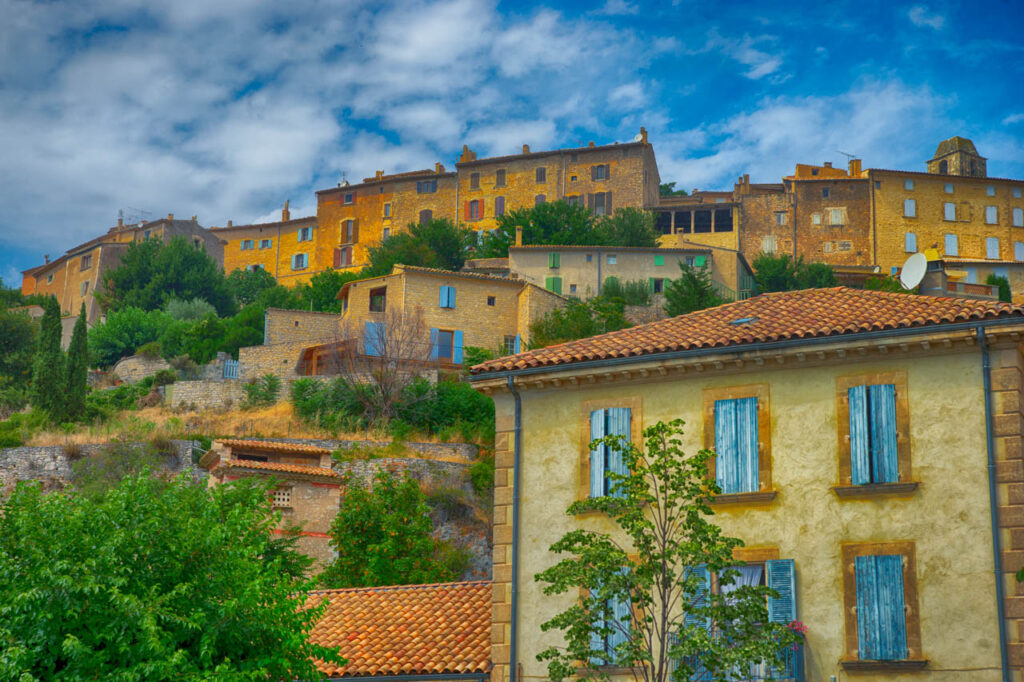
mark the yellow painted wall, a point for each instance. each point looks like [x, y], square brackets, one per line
[948, 517]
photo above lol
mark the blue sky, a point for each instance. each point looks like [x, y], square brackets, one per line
[225, 108]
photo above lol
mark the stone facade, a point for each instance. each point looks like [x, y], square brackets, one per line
[137, 367]
[204, 394]
[287, 326]
[272, 247]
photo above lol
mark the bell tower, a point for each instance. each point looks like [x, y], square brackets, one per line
[957, 156]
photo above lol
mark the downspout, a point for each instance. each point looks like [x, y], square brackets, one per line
[517, 433]
[986, 369]
[598, 272]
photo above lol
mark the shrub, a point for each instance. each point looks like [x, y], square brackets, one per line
[481, 474]
[164, 377]
[263, 391]
[632, 292]
[453, 558]
[149, 350]
[451, 501]
[196, 309]
[1004, 286]
[73, 451]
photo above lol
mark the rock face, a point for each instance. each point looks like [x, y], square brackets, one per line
[137, 367]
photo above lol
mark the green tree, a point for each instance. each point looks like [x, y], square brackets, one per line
[668, 189]
[17, 345]
[628, 227]
[814, 275]
[878, 283]
[630, 292]
[321, 294]
[664, 533]
[9, 296]
[578, 320]
[784, 273]
[48, 368]
[382, 536]
[124, 331]
[152, 273]
[1004, 286]
[553, 222]
[246, 285]
[190, 311]
[153, 580]
[77, 370]
[691, 292]
[438, 243]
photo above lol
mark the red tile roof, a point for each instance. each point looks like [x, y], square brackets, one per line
[407, 630]
[273, 446]
[780, 316]
[277, 466]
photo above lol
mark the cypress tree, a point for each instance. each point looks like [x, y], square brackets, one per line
[78, 369]
[48, 383]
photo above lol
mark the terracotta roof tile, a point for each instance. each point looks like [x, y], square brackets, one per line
[769, 317]
[273, 446]
[277, 466]
[407, 630]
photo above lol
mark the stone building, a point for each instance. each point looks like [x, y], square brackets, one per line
[286, 248]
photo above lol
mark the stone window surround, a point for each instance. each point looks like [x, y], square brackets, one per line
[765, 493]
[635, 405]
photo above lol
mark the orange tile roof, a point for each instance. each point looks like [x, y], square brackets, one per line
[407, 630]
[783, 316]
[277, 466]
[273, 446]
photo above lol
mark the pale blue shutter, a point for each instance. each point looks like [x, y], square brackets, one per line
[519, 343]
[780, 575]
[746, 440]
[597, 455]
[597, 640]
[451, 297]
[620, 629]
[868, 635]
[860, 460]
[892, 616]
[618, 425]
[442, 296]
[457, 347]
[725, 446]
[699, 597]
[373, 340]
[884, 464]
[434, 334]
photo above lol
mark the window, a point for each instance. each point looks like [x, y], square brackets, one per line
[990, 191]
[910, 242]
[590, 257]
[824, 193]
[992, 248]
[910, 208]
[574, 157]
[572, 288]
[880, 601]
[374, 337]
[282, 497]
[542, 174]
[991, 215]
[446, 297]
[246, 245]
[573, 178]
[657, 285]
[601, 203]
[511, 345]
[878, 184]
[349, 231]
[908, 185]
[611, 421]
[554, 259]
[378, 299]
[145, 235]
[299, 261]
[446, 345]
[1018, 251]
[474, 181]
[780, 217]
[385, 233]
[266, 243]
[387, 210]
[949, 211]
[499, 207]
[949, 188]
[844, 245]
[85, 288]
[254, 267]
[602, 172]
[768, 244]
[828, 247]
[49, 278]
[426, 186]
[620, 611]
[815, 219]
[1018, 217]
[573, 200]
[305, 234]
[814, 171]
[491, 300]
[837, 216]
[612, 260]
[874, 422]
[659, 260]
[734, 418]
[87, 261]
[349, 198]
[951, 245]
[539, 199]
[972, 275]
[1016, 192]
[342, 256]
[553, 284]
[499, 178]
[474, 209]
[426, 215]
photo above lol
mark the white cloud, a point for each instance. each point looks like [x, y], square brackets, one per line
[919, 15]
[748, 51]
[618, 7]
[628, 96]
[1013, 118]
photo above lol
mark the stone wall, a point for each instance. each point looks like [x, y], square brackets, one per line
[289, 326]
[205, 394]
[280, 359]
[137, 367]
[818, 240]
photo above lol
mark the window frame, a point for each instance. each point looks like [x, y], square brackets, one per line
[541, 175]
[635, 405]
[993, 212]
[946, 206]
[266, 244]
[451, 357]
[380, 293]
[348, 198]
[765, 492]
[910, 208]
[305, 234]
[1017, 219]
[305, 261]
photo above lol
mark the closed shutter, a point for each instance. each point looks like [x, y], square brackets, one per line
[593, 173]
[607, 171]
[726, 472]
[881, 621]
[746, 438]
[951, 245]
[659, 260]
[597, 455]
[590, 201]
[698, 598]
[780, 575]
[620, 626]
[736, 445]
[554, 260]
[373, 340]
[607, 203]
[884, 465]
[860, 458]
[457, 347]
[618, 425]
[699, 261]
[553, 284]
[434, 339]
[650, 281]
[910, 242]
[451, 297]
[518, 343]
[992, 248]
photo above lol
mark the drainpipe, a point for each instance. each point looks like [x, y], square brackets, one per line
[517, 433]
[997, 552]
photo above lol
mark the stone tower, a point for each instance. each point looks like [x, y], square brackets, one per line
[957, 156]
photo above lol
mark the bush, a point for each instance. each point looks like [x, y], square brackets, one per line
[481, 474]
[262, 392]
[164, 377]
[635, 292]
[196, 309]
[149, 350]
[122, 333]
[1003, 284]
[73, 451]
[452, 502]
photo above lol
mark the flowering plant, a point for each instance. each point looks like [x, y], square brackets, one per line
[797, 627]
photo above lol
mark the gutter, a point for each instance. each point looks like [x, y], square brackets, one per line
[517, 449]
[747, 348]
[441, 677]
[997, 552]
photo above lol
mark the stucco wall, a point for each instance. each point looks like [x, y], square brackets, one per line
[947, 517]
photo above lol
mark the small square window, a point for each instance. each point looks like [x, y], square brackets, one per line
[572, 178]
[824, 193]
[878, 184]
[990, 190]
[1016, 192]
[949, 188]
[49, 278]
[590, 257]
[612, 260]
[908, 185]
[282, 497]
[387, 210]
[491, 300]
[572, 288]
[349, 198]
[378, 299]
[780, 217]
[509, 345]
[815, 219]
[991, 215]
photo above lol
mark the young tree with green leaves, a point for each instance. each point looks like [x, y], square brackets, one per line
[1005, 294]
[246, 285]
[691, 292]
[125, 330]
[578, 320]
[382, 536]
[438, 243]
[152, 580]
[785, 273]
[77, 370]
[321, 294]
[648, 603]
[48, 379]
[553, 222]
[628, 227]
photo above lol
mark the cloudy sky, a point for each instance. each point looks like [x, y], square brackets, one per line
[225, 108]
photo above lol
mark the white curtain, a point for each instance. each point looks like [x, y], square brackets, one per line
[749, 574]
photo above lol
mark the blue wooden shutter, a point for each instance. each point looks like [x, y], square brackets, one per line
[746, 440]
[860, 460]
[620, 629]
[868, 635]
[434, 342]
[699, 598]
[884, 461]
[597, 640]
[892, 616]
[373, 340]
[780, 575]
[618, 425]
[442, 296]
[451, 297]
[726, 472]
[597, 455]
[457, 347]
[519, 343]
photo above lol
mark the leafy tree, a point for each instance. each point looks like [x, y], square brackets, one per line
[244, 329]
[124, 331]
[663, 517]
[48, 369]
[578, 320]
[246, 285]
[196, 309]
[553, 222]
[884, 284]
[280, 296]
[628, 227]
[814, 275]
[784, 273]
[668, 189]
[321, 294]
[692, 291]
[438, 243]
[17, 345]
[10, 296]
[151, 580]
[382, 536]
[1004, 286]
[77, 370]
[630, 292]
[152, 273]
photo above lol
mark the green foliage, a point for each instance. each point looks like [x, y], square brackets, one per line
[481, 474]
[783, 273]
[19, 427]
[247, 285]
[627, 227]
[630, 292]
[553, 222]
[196, 309]
[164, 377]
[17, 346]
[668, 189]
[149, 350]
[578, 320]
[437, 244]
[123, 332]
[321, 294]
[262, 391]
[474, 355]
[691, 292]
[151, 580]
[383, 536]
[103, 470]
[77, 380]
[1004, 286]
[103, 404]
[48, 371]
[151, 274]
[662, 513]
[279, 296]
[885, 284]
[9, 296]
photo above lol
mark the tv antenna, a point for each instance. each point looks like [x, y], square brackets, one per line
[849, 156]
[133, 215]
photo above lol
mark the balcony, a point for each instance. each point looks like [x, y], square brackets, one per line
[792, 670]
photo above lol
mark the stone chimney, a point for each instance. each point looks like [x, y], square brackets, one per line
[467, 154]
[120, 222]
[526, 149]
[643, 134]
[590, 144]
[828, 164]
[46, 258]
[286, 214]
[519, 235]
[229, 223]
[854, 168]
[438, 168]
[380, 174]
[195, 219]
[170, 216]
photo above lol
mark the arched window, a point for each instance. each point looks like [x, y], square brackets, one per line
[426, 215]
[943, 167]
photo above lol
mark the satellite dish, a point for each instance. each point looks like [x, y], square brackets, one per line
[913, 270]
[638, 138]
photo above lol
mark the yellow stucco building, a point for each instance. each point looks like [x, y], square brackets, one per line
[936, 381]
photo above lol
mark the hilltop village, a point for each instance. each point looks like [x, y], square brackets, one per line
[487, 347]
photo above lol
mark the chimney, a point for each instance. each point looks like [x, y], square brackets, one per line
[519, 235]
[854, 168]
[286, 215]
[380, 174]
[229, 223]
[828, 164]
[46, 258]
[590, 144]
[643, 134]
[120, 222]
[467, 154]
[438, 168]
[526, 149]
[170, 216]
[195, 219]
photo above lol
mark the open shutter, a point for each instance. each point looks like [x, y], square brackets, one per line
[747, 440]
[434, 334]
[699, 598]
[650, 284]
[337, 257]
[442, 296]
[593, 172]
[372, 338]
[781, 577]
[891, 615]
[597, 455]
[884, 462]
[518, 344]
[726, 472]
[607, 171]
[608, 203]
[451, 297]
[590, 201]
[620, 627]
[355, 230]
[554, 260]
[597, 641]
[618, 425]
[467, 211]
[860, 460]
[457, 347]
